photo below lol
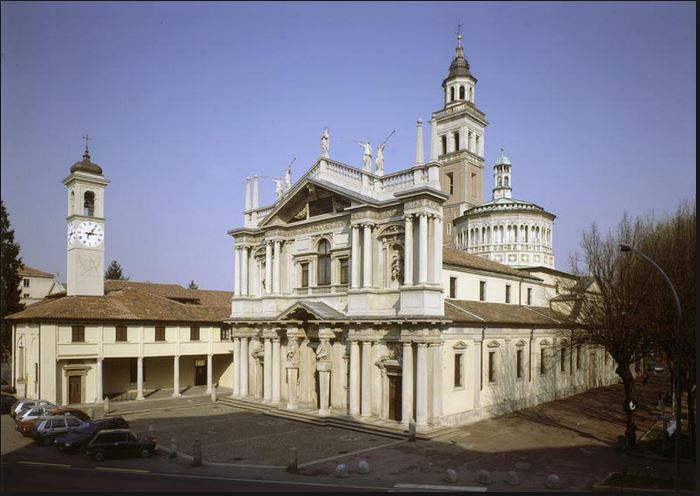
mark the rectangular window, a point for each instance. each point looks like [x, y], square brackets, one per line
[26, 283]
[450, 183]
[482, 290]
[507, 293]
[529, 296]
[120, 333]
[305, 275]
[458, 369]
[78, 334]
[25, 295]
[492, 367]
[578, 357]
[453, 287]
[543, 361]
[519, 363]
[456, 138]
[194, 333]
[133, 370]
[225, 334]
[444, 144]
[344, 267]
[562, 359]
[160, 333]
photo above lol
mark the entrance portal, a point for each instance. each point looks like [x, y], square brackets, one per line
[200, 374]
[394, 397]
[75, 386]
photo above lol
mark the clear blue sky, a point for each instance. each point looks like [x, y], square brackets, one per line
[593, 102]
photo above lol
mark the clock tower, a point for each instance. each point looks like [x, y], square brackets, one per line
[86, 250]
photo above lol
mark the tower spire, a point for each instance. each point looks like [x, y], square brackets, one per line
[87, 150]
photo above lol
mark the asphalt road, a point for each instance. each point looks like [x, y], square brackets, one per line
[23, 476]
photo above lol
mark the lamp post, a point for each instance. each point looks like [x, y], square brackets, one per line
[676, 481]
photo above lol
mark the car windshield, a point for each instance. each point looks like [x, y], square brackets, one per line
[85, 428]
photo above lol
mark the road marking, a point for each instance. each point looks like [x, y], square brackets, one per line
[431, 487]
[344, 455]
[44, 463]
[138, 470]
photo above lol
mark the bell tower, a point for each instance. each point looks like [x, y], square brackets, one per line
[86, 256]
[457, 142]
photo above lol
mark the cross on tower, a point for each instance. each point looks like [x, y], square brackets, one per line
[459, 34]
[86, 138]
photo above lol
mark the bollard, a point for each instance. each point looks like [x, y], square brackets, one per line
[362, 467]
[512, 478]
[106, 407]
[292, 466]
[151, 431]
[483, 477]
[213, 395]
[91, 412]
[197, 453]
[173, 448]
[412, 430]
[553, 482]
[341, 470]
[450, 476]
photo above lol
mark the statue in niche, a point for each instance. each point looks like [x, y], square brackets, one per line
[397, 268]
[325, 142]
[292, 353]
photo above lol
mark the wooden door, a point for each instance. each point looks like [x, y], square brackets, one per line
[394, 397]
[200, 375]
[75, 385]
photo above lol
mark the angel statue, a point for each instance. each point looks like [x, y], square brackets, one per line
[325, 143]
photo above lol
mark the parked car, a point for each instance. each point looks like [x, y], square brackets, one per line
[46, 429]
[24, 405]
[7, 401]
[25, 423]
[119, 443]
[78, 439]
[655, 367]
[7, 388]
[72, 411]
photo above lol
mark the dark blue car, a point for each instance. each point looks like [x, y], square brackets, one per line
[79, 439]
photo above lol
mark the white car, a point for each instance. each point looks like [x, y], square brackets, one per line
[35, 412]
[23, 406]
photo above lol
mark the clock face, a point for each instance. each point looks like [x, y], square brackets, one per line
[71, 233]
[89, 233]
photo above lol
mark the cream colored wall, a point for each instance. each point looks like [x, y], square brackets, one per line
[468, 288]
[39, 288]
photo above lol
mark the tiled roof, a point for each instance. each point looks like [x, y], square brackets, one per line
[134, 301]
[26, 270]
[483, 313]
[470, 261]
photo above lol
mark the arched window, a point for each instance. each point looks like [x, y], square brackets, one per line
[89, 204]
[461, 92]
[471, 94]
[505, 181]
[452, 94]
[500, 182]
[324, 263]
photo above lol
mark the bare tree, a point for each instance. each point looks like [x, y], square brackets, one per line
[612, 315]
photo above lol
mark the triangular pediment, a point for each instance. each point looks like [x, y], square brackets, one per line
[311, 310]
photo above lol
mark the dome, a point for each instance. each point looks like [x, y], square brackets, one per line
[503, 160]
[85, 165]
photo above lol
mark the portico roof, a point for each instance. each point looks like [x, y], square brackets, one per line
[317, 309]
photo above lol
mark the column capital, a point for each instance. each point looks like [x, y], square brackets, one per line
[422, 345]
[369, 224]
[408, 217]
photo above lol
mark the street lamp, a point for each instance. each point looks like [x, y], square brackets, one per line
[626, 248]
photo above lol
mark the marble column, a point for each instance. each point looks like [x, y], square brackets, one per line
[324, 378]
[267, 370]
[423, 248]
[139, 378]
[355, 257]
[367, 256]
[276, 274]
[366, 403]
[244, 367]
[276, 360]
[235, 379]
[237, 271]
[407, 383]
[244, 271]
[408, 251]
[436, 349]
[176, 376]
[422, 384]
[437, 250]
[210, 382]
[268, 268]
[292, 374]
[98, 379]
[419, 142]
[354, 406]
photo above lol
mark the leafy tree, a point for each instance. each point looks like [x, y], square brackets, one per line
[114, 271]
[193, 285]
[9, 286]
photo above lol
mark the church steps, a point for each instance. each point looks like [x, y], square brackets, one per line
[374, 426]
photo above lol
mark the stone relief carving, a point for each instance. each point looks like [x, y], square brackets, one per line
[292, 353]
[323, 356]
[397, 268]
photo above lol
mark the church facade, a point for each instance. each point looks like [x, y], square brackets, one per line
[356, 295]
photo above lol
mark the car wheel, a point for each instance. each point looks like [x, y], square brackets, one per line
[98, 456]
[60, 447]
[146, 453]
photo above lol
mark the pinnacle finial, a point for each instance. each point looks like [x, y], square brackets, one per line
[459, 35]
[87, 151]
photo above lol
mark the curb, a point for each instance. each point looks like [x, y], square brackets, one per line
[599, 487]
